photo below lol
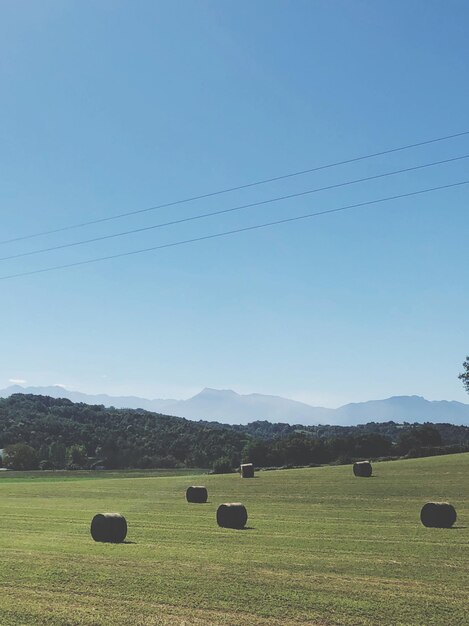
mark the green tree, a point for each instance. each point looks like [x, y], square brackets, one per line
[76, 457]
[257, 452]
[20, 456]
[44, 453]
[222, 465]
[464, 376]
[425, 436]
[57, 454]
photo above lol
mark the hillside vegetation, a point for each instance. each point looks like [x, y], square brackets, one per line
[56, 433]
[322, 548]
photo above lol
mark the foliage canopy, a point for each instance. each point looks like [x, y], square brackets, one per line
[57, 433]
[464, 376]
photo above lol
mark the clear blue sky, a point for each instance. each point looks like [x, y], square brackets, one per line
[108, 107]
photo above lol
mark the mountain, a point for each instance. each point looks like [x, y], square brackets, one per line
[229, 407]
[119, 402]
[404, 408]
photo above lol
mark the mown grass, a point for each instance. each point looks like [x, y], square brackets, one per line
[54, 475]
[322, 547]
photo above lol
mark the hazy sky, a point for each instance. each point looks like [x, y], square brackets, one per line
[109, 107]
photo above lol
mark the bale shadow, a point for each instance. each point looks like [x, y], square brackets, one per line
[129, 542]
[237, 529]
[457, 528]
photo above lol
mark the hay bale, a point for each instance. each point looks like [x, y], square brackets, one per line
[197, 494]
[109, 527]
[362, 469]
[438, 515]
[232, 515]
[247, 470]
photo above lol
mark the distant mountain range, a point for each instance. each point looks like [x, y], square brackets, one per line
[229, 407]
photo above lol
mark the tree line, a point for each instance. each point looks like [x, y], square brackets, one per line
[40, 432]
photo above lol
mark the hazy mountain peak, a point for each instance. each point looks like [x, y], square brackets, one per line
[209, 391]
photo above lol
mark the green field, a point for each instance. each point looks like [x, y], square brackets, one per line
[321, 547]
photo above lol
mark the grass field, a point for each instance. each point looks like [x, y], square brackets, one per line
[321, 547]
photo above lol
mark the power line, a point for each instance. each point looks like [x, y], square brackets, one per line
[233, 209]
[236, 188]
[236, 231]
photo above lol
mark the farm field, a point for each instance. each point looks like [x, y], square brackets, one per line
[321, 548]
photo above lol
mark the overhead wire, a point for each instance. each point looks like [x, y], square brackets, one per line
[236, 188]
[233, 209]
[235, 231]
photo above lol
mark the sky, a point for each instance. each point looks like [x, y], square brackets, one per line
[112, 107]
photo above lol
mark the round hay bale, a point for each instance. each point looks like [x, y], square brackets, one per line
[109, 527]
[197, 494]
[247, 470]
[232, 515]
[438, 515]
[362, 469]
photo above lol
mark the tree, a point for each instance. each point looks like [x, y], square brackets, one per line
[222, 465]
[57, 454]
[256, 452]
[20, 456]
[464, 376]
[425, 436]
[76, 457]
